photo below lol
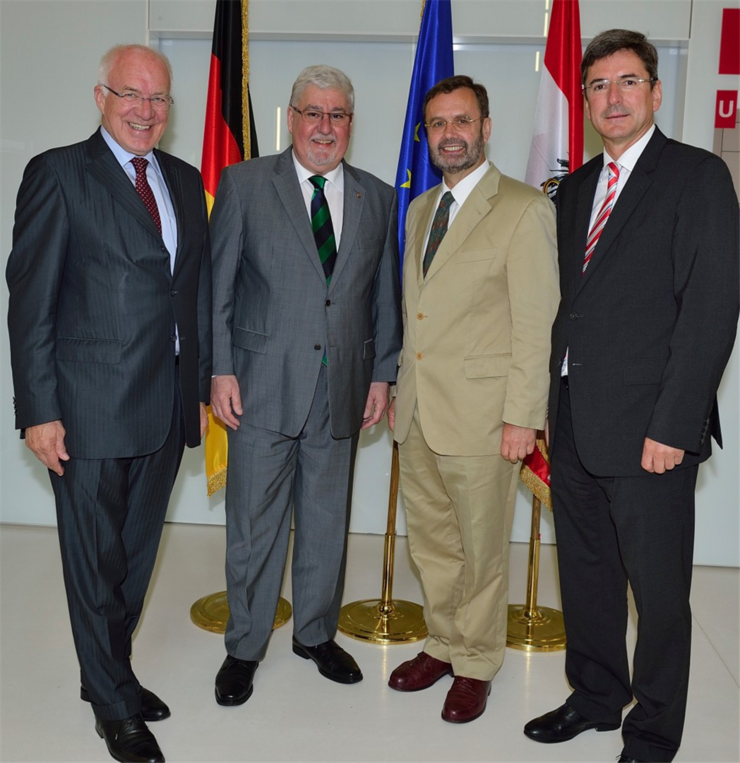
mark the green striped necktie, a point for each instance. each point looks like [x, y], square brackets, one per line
[323, 230]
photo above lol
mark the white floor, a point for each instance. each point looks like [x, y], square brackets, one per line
[295, 714]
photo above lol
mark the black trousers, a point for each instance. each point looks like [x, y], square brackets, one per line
[611, 531]
[110, 514]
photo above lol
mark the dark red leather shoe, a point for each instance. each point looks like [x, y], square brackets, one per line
[466, 700]
[420, 673]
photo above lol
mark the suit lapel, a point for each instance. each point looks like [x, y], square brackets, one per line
[288, 190]
[174, 186]
[354, 201]
[638, 183]
[475, 208]
[418, 232]
[102, 164]
[584, 207]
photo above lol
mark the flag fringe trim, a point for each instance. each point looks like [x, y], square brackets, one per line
[246, 123]
[216, 481]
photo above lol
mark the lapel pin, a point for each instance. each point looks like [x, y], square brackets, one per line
[359, 195]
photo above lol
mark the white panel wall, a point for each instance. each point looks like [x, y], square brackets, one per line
[48, 71]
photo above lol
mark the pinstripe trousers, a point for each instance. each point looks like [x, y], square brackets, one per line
[110, 514]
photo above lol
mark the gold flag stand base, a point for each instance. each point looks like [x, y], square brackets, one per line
[538, 631]
[385, 621]
[212, 612]
[532, 628]
[398, 622]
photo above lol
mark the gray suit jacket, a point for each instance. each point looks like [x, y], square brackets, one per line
[273, 313]
[93, 304]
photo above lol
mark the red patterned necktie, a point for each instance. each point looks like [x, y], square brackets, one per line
[145, 190]
[606, 209]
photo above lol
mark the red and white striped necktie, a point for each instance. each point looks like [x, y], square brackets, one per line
[606, 209]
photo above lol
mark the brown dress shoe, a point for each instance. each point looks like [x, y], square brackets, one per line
[466, 700]
[420, 673]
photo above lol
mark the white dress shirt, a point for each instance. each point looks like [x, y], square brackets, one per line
[333, 191]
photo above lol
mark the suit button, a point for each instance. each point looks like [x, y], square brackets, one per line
[173, 337]
[174, 293]
[317, 347]
[574, 316]
[420, 316]
[328, 303]
[419, 355]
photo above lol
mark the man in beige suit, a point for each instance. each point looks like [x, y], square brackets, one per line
[480, 294]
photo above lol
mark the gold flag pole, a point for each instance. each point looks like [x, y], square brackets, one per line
[385, 620]
[532, 628]
[212, 612]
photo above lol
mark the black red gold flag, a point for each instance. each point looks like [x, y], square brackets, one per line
[229, 137]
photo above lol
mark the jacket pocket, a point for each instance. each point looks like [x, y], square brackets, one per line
[482, 366]
[250, 340]
[78, 350]
[475, 255]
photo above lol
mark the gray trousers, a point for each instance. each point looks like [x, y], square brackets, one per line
[268, 475]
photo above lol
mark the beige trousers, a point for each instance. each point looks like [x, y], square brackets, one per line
[459, 511]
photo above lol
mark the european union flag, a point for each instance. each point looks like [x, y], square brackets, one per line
[433, 62]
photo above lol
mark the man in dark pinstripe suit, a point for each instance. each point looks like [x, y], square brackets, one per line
[110, 336]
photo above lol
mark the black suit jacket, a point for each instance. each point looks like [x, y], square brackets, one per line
[651, 325]
[93, 304]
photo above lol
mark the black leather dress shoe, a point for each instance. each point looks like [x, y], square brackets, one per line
[234, 681]
[333, 662]
[626, 759]
[563, 724]
[152, 707]
[129, 740]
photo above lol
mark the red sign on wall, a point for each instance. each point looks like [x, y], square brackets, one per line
[729, 46]
[725, 113]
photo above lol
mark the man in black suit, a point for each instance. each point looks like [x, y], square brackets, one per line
[110, 337]
[648, 247]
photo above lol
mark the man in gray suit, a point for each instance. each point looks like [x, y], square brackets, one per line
[110, 339]
[306, 341]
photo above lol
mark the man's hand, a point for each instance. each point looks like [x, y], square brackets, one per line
[658, 458]
[226, 400]
[392, 415]
[203, 420]
[47, 443]
[517, 442]
[377, 402]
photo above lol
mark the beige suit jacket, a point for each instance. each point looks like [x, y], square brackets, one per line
[476, 340]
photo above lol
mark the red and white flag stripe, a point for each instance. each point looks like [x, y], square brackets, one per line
[557, 141]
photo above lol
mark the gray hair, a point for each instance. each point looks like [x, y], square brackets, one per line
[323, 77]
[109, 59]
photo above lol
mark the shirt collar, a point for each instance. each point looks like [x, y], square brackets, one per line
[123, 156]
[629, 158]
[463, 189]
[335, 176]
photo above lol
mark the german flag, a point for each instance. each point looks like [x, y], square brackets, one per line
[229, 137]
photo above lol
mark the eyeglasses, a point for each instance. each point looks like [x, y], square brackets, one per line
[625, 84]
[314, 117]
[159, 102]
[462, 122]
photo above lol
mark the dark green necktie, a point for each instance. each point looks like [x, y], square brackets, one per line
[439, 228]
[323, 230]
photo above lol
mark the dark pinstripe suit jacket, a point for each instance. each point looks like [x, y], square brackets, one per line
[93, 304]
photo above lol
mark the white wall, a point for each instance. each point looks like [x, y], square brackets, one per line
[48, 71]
